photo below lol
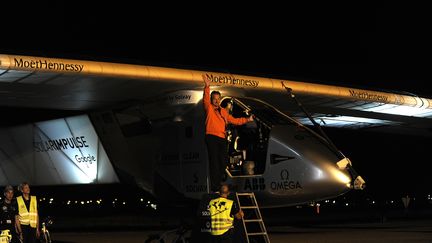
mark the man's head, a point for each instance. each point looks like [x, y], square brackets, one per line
[224, 189]
[8, 192]
[215, 98]
[24, 188]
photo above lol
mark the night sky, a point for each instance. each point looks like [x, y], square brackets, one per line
[358, 46]
[361, 46]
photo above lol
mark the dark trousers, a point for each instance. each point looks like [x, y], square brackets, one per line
[226, 237]
[29, 234]
[15, 238]
[218, 159]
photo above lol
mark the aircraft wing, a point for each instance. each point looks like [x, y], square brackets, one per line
[40, 82]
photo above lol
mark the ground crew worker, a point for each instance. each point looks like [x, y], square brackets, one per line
[28, 214]
[9, 214]
[215, 123]
[223, 208]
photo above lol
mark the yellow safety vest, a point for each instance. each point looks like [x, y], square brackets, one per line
[221, 220]
[26, 217]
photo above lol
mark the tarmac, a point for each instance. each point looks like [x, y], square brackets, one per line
[394, 232]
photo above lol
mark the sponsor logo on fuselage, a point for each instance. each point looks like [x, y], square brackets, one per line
[222, 79]
[196, 188]
[42, 64]
[190, 156]
[285, 184]
[63, 144]
[60, 144]
[179, 98]
[364, 95]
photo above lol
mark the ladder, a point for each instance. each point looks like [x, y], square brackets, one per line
[253, 223]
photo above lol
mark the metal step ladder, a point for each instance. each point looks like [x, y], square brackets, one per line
[253, 223]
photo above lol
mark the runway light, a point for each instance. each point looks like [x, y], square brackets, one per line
[82, 202]
[346, 204]
[334, 201]
[142, 199]
[124, 203]
[373, 202]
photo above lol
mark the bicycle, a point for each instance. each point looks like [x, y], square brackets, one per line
[45, 236]
[178, 234]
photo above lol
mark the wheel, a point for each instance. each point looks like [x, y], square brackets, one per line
[46, 237]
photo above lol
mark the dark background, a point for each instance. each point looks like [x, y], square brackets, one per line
[362, 45]
[371, 47]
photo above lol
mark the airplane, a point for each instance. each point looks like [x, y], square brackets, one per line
[145, 125]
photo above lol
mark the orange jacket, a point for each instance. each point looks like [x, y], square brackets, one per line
[218, 117]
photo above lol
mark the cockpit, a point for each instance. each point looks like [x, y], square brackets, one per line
[248, 143]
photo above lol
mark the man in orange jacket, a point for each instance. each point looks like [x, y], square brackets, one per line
[216, 120]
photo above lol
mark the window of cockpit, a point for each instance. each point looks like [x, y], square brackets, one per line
[266, 113]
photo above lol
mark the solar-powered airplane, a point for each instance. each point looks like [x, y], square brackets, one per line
[145, 125]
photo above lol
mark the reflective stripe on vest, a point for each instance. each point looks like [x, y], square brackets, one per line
[26, 217]
[220, 211]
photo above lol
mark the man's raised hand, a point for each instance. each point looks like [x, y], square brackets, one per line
[206, 79]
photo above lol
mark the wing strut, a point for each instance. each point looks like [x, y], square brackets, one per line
[316, 125]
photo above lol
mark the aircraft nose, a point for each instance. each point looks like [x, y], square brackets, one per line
[356, 181]
[332, 179]
[338, 176]
[336, 179]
